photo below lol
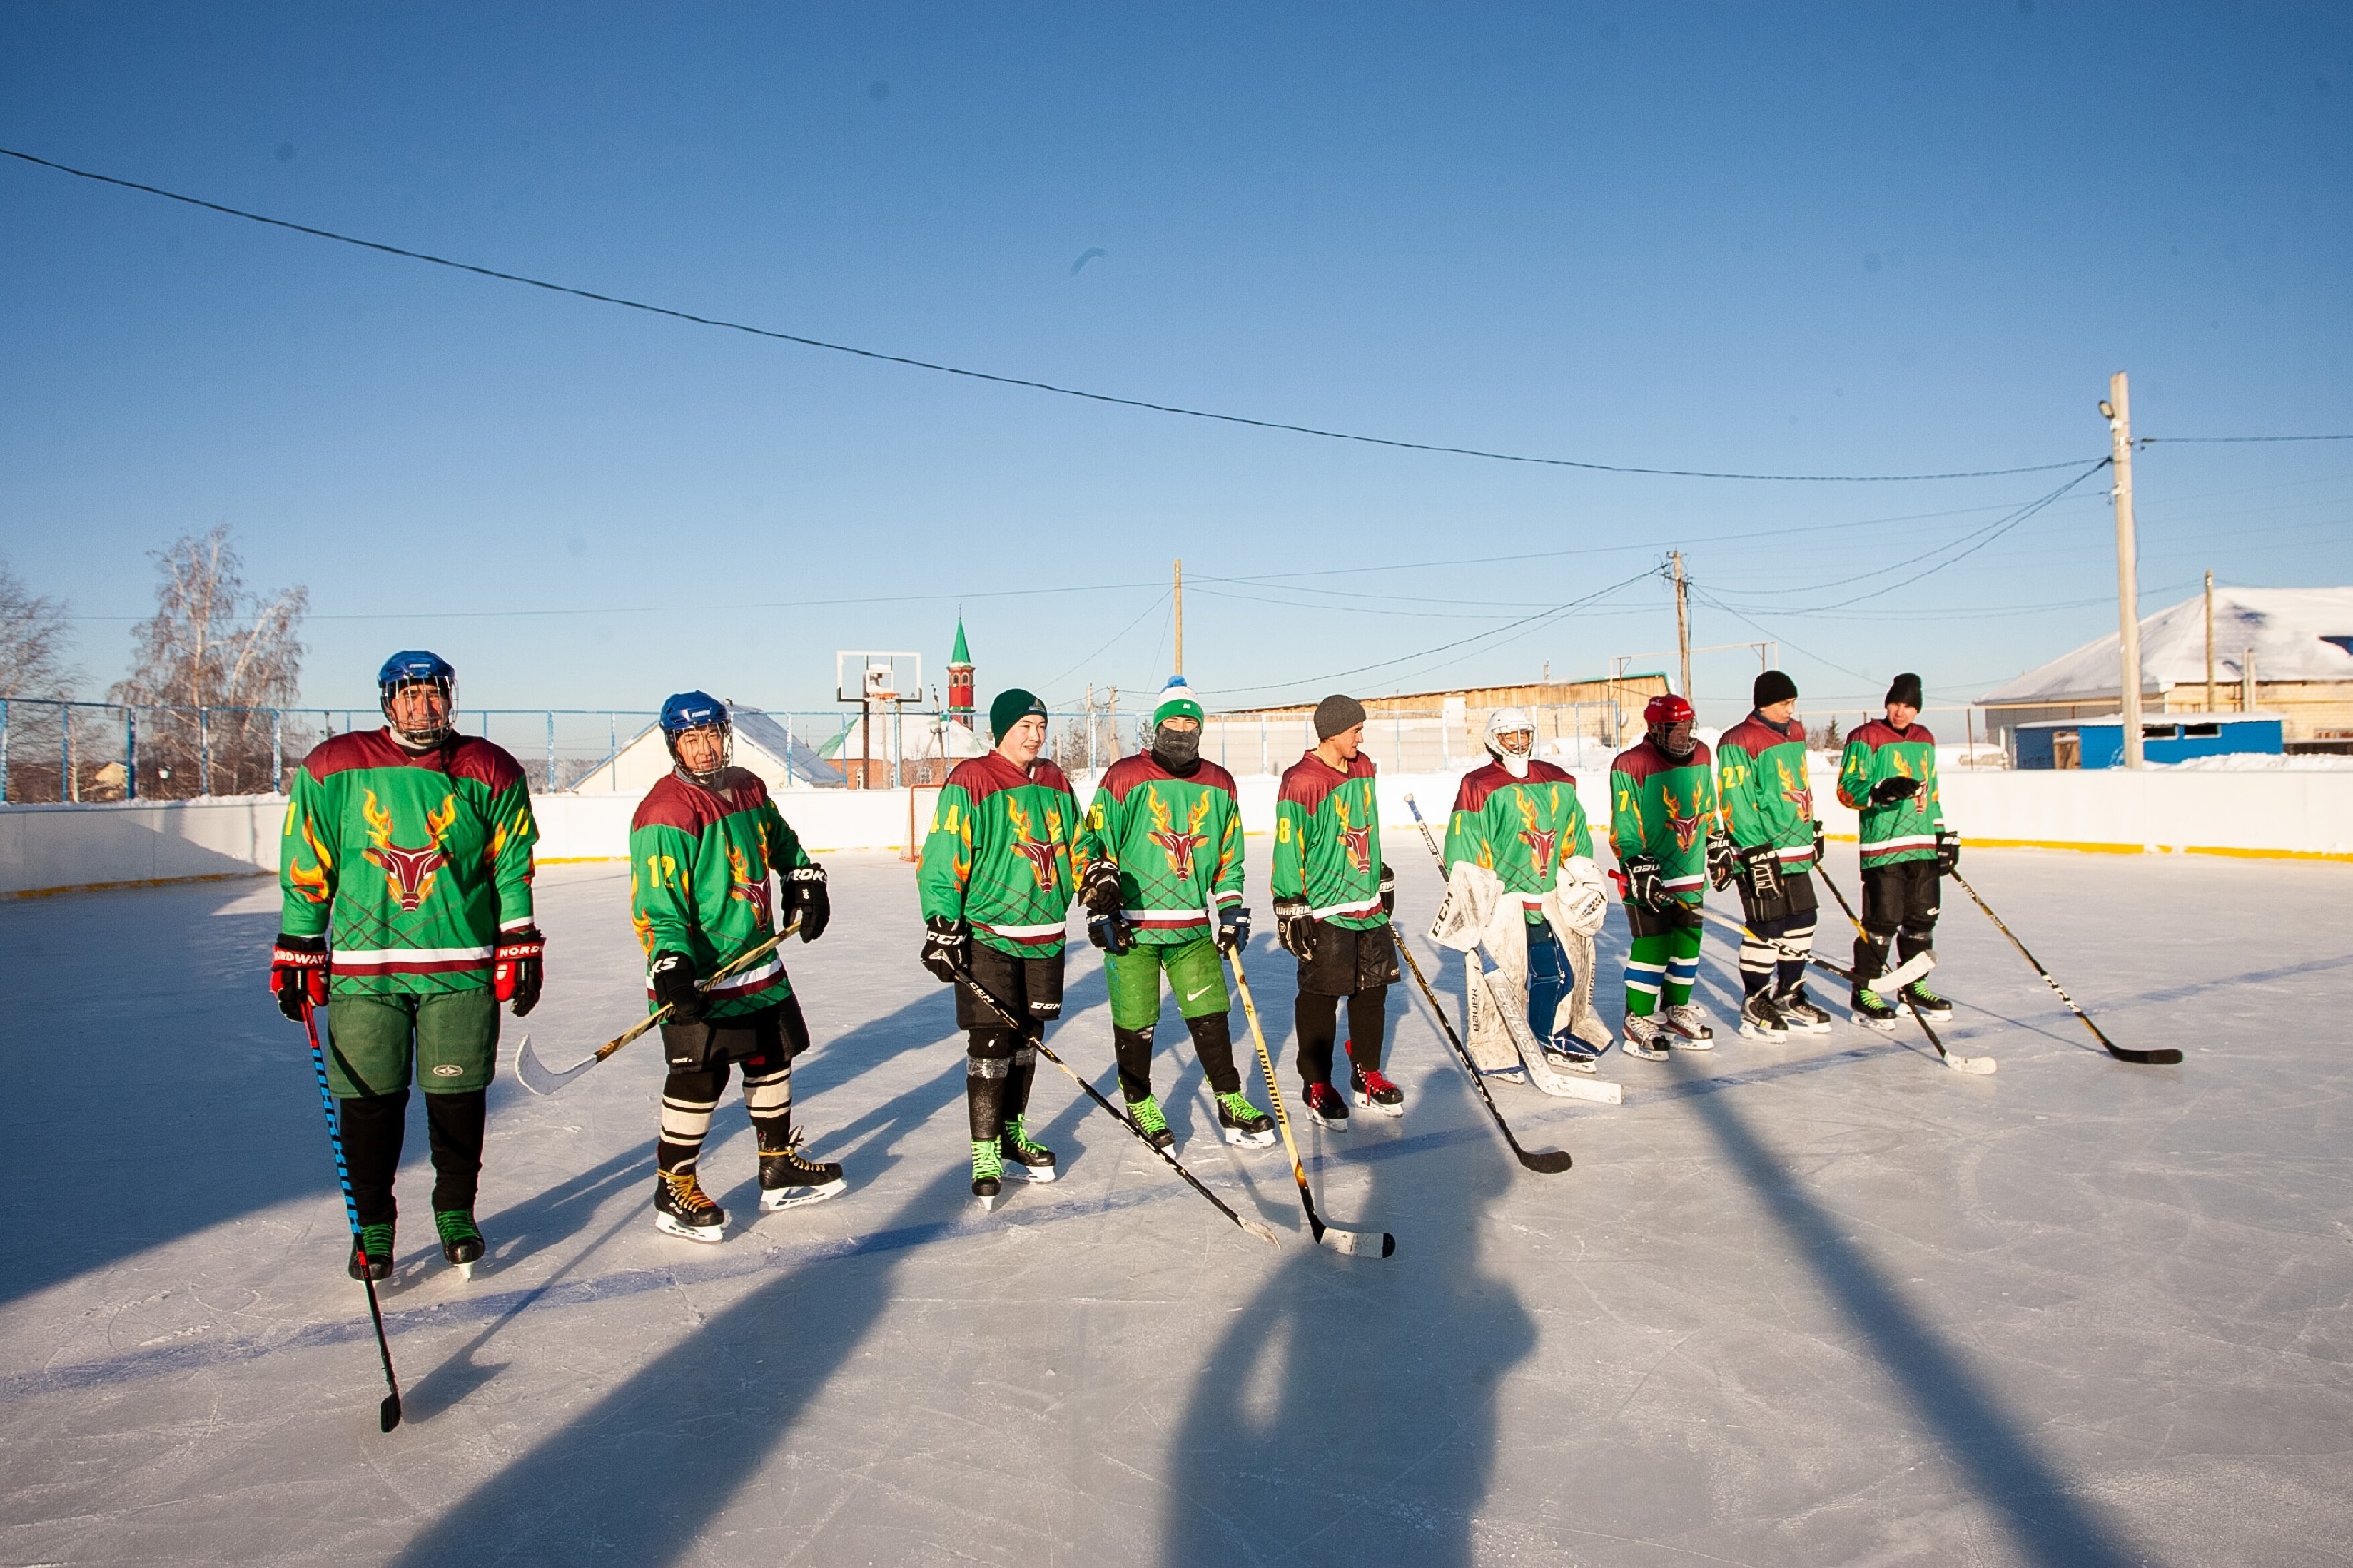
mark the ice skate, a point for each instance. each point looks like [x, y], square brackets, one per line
[462, 1243]
[1930, 1005]
[681, 1208]
[1800, 1013]
[786, 1181]
[1871, 1010]
[1645, 1038]
[1688, 1027]
[1760, 1019]
[376, 1242]
[1150, 1120]
[1372, 1089]
[1570, 1056]
[1244, 1124]
[988, 1172]
[1327, 1108]
[1025, 1158]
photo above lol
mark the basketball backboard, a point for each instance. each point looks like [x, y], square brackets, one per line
[861, 675]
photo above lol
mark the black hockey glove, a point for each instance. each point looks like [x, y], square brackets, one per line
[1643, 884]
[947, 948]
[674, 987]
[515, 967]
[1233, 927]
[1724, 860]
[1295, 929]
[298, 970]
[1948, 851]
[1820, 848]
[1111, 932]
[1100, 890]
[1887, 791]
[1388, 890]
[805, 893]
[1760, 870]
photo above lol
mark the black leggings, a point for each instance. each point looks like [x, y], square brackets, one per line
[1317, 1018]
[372, 1130]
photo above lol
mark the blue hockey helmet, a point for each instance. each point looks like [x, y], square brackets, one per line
[418, 666]
[698, 711]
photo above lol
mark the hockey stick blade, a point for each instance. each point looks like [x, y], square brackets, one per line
[539, 1078]
[1545, 1162]
[1358, 1244]
[388, 1414]
[1548, 1162]
[2163, 1056]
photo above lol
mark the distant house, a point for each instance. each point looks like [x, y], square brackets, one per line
[2281, 651]
[782, 758]
[926, 744]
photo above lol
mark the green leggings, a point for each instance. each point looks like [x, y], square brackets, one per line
[1670, 959]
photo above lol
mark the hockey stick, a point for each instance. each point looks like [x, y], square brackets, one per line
[1356, 1243]
[1540, 1072]
[1006, 1018]
[388, 1414]
[2164, 1056]
[541, 1079]
[1980, 1065]
[1551, 1161]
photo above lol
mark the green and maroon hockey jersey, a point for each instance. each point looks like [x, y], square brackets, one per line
[1663, 808]
[1521, 829]
[1327, 842]
[1175, 841]
[699, 866]
[1762, 780]
[410, 864]
[1001, 855]
[1906, 829]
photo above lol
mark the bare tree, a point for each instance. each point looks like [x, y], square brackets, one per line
[33, 640]
[213, 653]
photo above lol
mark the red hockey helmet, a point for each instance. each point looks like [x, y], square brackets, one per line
[1668, 708]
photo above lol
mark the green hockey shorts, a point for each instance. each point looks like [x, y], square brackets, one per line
[449, 1039]
[1195, 974]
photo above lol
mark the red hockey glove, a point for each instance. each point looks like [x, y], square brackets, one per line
[515, 967]
[298, 970]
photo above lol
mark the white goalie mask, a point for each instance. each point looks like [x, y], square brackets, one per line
[1511, 739]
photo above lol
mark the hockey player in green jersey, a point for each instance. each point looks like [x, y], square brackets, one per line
[1162, 840]
[1663, 824]
[406, 874]
[996, 881]
[701, 847]
[1768, 810]
[1889, 776]
[1333, 895]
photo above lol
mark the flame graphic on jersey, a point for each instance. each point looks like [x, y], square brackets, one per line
[1041, 852]
[1177, 847]
[1357, 842]
[408, 872]
[1541, 841]
[1687, 828]
[1797, 794]
[743, 884]
[645, 924]
[312, 883]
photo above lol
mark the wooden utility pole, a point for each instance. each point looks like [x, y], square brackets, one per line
[2117, 408]
[2210, 644]
[1682, 621]
[1180, 615]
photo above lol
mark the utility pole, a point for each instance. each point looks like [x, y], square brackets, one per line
[2117, 408]
[1682, 621]
[2210, 644]
[1180, 615]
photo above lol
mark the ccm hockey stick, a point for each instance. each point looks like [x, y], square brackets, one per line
[1549, 1161]
[1006, 1018]
[1540, 1072]
[541, 1079]
[1357, 1244]
[388, 1414]
[2164, 1056]
[1980, 1065]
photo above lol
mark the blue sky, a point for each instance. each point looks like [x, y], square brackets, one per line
[1835, 239]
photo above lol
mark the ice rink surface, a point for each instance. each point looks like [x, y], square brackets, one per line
[1824, 1302]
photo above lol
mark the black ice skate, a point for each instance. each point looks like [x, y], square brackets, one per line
[371, 1253]
[1325, 1108]
[1931, 1006]
[988, 1172]
[1244, 1124]
[1025, 1158]
[1760, 1019]
[681, 1208]
[1152, 1121]
[1871, 1010]
[1800, 1013]
[786, 1181]
[1373, 1090]
[461, 1243]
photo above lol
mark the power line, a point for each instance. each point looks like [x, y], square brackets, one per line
[2229, 440]
[1059, 391]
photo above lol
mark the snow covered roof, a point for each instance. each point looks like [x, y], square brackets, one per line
[760, 746]
[920, 738]
[2297, 634]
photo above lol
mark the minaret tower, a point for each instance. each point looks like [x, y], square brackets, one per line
[959, 680]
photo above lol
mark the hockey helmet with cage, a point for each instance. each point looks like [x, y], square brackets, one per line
[1511, 721]
[1669, 718]
[418, 666]
[698, 711]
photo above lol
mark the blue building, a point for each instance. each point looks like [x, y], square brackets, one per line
[2099, 743]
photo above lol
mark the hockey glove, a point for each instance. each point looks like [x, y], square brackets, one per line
[1643, 885]
[515, 967]
[298, 970]
[947, 948]
[1948, 851]
[805, 889]
[1233, 927]
[1887, 791]
[1724, 860]
[1388, 890]
[1761, 870]
[1295, 929]
[673, 978]
[1111, 932]
[1100, 890]
[1820, 848]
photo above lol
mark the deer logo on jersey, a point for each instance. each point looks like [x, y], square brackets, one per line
[1177, 847]
[1355, 842]
[1687, 828]
[1541, 841]
[1041, 852]
[408, 872]
[741, 883]
[1797, 794]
